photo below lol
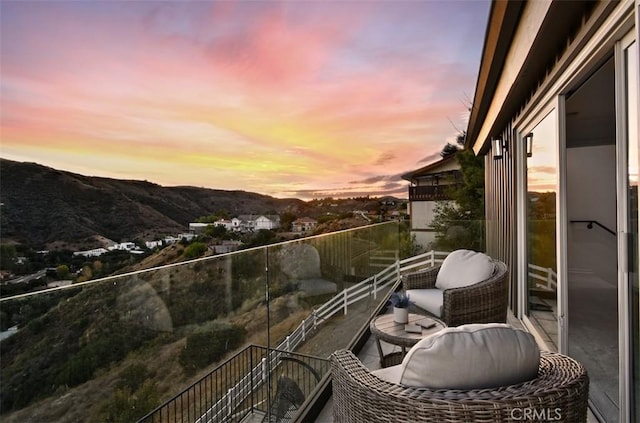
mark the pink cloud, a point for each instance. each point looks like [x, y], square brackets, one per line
[241, 83]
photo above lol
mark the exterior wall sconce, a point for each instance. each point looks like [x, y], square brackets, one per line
[499, 148]
[528, 141]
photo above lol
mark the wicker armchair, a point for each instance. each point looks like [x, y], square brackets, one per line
[484, 302]
[559, 393]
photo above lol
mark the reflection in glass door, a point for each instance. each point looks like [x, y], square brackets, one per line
[541, 305]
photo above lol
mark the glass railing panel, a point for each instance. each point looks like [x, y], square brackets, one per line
[419, 251]
[114, 349]
[328, 285]
[449, 235]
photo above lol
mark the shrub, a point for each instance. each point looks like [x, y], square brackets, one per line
[195, 250]
[208, 347]
[133, 377]
[128, 406]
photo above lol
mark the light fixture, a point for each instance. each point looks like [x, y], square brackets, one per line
[528, 141]
[499, 148]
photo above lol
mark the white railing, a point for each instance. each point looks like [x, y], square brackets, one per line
[545, 277]
[423, 261]
[340, 302]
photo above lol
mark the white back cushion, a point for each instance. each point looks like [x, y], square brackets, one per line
[463, 268]
[475, 356]
[427, 299]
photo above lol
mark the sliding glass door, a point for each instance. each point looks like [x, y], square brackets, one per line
[592, 289]
[541, 294]
[629, 277]
[578, 224]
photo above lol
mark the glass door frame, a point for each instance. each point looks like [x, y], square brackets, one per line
[623, 229]
[554, 105]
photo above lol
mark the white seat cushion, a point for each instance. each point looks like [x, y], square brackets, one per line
[427, 299]
[463, 268]
[477, 356]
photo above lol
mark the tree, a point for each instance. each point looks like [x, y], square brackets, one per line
[262, 237]
[195, 250]
[7, 255]
[406, 242]
[448, 150]
[216, 231]
[460, 223]
[286, 219]
[85, 274]
[62, 271]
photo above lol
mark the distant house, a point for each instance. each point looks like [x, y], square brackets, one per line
[96, 252]
[236, 224]
[153, 244]
[123, 246]
[242, 223]
[247, 222]
[227, 224]
[430, 185]
[170, 240]
[303, 224]
[267, 222]
[197, 227]
[227, 246]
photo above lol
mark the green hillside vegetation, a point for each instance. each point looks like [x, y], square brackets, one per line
[116, 332]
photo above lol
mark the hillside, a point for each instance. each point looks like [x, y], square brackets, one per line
[49, 209]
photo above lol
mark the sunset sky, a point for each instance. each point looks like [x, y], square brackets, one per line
[292, 99]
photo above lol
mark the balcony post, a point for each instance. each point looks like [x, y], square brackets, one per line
[304, 330]
[375, 287]
[344, 298]
[264, 368]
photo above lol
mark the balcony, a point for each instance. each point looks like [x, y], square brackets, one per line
[243, 336]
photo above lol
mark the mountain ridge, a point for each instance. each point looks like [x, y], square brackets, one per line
[48, 208]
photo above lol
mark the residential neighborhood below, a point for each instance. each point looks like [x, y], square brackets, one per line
[208, 235]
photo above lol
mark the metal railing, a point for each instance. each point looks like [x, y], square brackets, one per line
[590, 224]
[431, 192]
[241, 390]
[242, 385]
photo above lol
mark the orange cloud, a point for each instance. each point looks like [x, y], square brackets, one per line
[262, 96]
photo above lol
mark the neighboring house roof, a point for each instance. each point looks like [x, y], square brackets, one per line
[539, 46]
[305, 220]
[271, 217]
[253, 217]
[447, 164]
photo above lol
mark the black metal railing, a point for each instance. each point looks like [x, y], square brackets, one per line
[271, 383]
[430, 192]
[590, 224]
